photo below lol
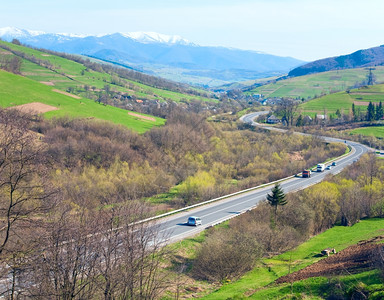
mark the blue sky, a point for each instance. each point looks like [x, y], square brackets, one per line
[304, 29]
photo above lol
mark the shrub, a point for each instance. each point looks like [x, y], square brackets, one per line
[226, 255]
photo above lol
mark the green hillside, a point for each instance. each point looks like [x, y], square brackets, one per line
[67, 74]
[344, 100]
[259, 283]
[84, 88]
[17, 90]
[314, 85]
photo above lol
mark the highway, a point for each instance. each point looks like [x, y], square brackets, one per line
[218, 211]
[173, 227]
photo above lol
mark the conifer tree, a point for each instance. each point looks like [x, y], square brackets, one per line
[370, 112]
[379, 111]
[276, 198]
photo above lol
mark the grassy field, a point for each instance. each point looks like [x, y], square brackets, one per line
[344, 100]
[313, 85]
[67, 73]
[377, 131]
[312, 288]
[17, 90]
[329, 103]
[257, 284]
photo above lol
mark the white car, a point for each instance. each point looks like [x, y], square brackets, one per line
[194, 221]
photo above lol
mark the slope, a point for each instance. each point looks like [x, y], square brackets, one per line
[259, 283]
[17, 90]
[88, 80]
[314, 85]
[344, 100]
[361, 58]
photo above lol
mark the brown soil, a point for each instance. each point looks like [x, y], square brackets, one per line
[142, 117]
[295, 156]
[349, 260]
[67, 94]
[35, 107]
[47, 83]
[365, 94]
[362, 103]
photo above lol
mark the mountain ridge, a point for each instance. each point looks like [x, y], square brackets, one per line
[163, 55]
[361, 58]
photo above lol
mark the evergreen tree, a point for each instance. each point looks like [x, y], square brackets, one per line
[370, 112]
[354, 113]
[276, 198]
[379, 111]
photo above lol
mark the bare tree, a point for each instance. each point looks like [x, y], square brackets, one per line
[287, 108]
[24, 193]
[64, 267]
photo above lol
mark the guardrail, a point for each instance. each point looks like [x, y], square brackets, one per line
[230, 195]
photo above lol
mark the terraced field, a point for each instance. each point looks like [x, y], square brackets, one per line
[315, 85]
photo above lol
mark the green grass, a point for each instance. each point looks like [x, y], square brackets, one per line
[17, 90]
[376, 131]
[344, 100]
[329, 103]
[68, 73]
[313, 85]
[268, 270]
[320, 287]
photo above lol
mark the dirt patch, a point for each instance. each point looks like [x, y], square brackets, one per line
[362, 103]
[350, 260]
[142, 117]
[67, 94]
[295, 156]
[47, 83]
[365, 94]
[46, 55]
[35, 107]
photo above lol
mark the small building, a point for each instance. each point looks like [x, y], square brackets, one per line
[273, 120]
[321, 117]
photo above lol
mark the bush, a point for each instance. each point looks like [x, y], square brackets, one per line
[226, 255]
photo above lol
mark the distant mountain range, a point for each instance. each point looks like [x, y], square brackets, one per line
[171, 57]
[359, 59]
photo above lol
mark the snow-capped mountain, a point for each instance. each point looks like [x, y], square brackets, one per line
[8, 33]
[172, 57]
[154, 37]
[14, 33]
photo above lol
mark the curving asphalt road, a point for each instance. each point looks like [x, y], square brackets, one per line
[232, 206]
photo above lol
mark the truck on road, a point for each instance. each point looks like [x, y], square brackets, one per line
[320, 167]
[306, 173]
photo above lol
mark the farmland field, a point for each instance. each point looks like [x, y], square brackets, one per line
[377, 131]
[16, 90]
[69, 74]
[315, 85]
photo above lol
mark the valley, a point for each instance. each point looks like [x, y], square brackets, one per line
[97, 147]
